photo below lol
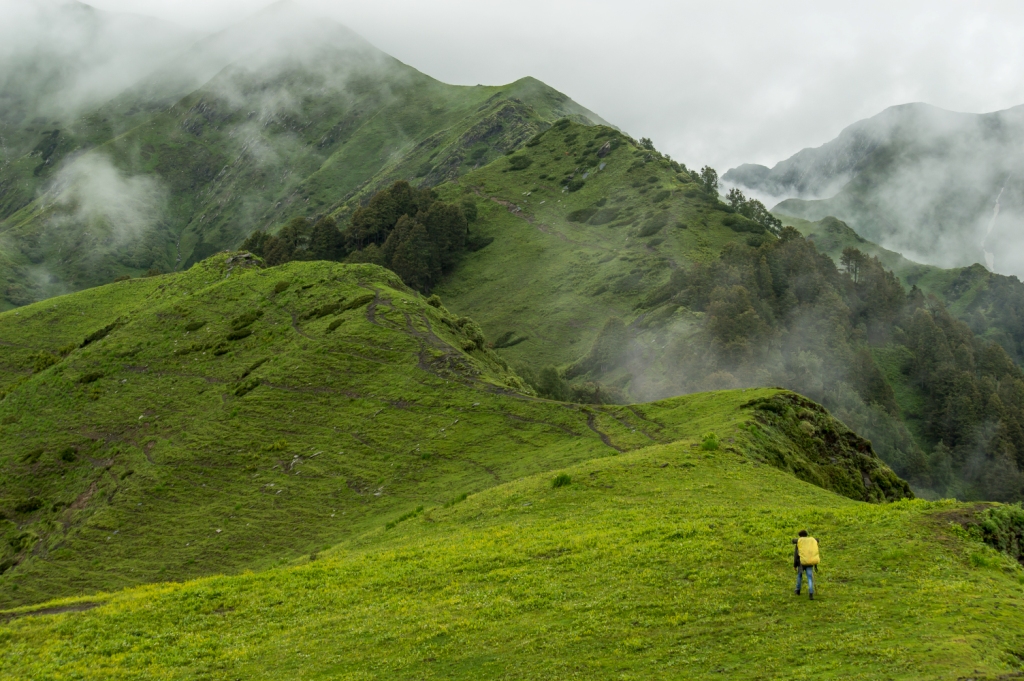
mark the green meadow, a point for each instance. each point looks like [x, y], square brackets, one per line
[667, 562]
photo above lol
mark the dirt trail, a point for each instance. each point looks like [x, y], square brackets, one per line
[76, 607]
[592, 424]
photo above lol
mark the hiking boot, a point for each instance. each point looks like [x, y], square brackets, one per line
[797, 592]
[812, 597]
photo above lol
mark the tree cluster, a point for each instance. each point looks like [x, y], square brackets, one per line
[405, 229]
[752, 209]
[782, 313]
[300, 239]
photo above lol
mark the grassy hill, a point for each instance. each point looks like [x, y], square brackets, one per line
[235, 417]
[567, 261]
[666, 562]
[226, 139]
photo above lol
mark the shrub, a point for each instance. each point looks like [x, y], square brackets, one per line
[654, 225]
[335, 324]
[520, 162]
[462, 497]
[123, 277]
[69, 454]
[23, 541]
[604, 216]
[238, 334]
[43, 361]
[661, 196]
[473, 333]
[244, 320]
[196, 325]
[402, 518]
[244, 389]
[100, 334]
[32, 457]
[581, 215]
[738, 223]
[90, 377]
[709, 442]
[357, 302]
[682, 225]
[561, 480]
[434, 301]
[253, 367]
[323, 311]
[281, 286]
[476, 242]
[535, 140]
[29, 505]
[575, 184]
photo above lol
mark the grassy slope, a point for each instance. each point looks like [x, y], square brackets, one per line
[560, 281]
[147, 464]
[668, 562]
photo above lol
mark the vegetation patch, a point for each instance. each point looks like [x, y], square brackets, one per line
[100, 334]
[653, 225]
[519, 162]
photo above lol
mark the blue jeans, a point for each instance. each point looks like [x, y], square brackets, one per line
[809, 569]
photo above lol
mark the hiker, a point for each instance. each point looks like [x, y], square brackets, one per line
[805, 558]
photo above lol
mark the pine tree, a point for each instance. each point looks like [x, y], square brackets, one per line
[325, 241]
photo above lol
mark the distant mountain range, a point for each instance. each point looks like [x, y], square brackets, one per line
[285, 113]
[940, 187]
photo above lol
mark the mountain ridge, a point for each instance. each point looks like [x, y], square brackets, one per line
[185, 178]
[941, 187]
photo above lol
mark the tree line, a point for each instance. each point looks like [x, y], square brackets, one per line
[781, 313]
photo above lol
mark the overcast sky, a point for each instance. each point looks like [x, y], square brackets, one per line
[710, 82]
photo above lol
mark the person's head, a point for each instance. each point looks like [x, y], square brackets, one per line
[803, 533]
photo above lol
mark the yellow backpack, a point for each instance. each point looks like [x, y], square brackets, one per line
[808, 549]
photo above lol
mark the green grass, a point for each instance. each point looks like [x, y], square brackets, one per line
[668, 562]
[159, 452]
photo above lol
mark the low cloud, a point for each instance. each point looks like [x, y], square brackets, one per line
[91, 194]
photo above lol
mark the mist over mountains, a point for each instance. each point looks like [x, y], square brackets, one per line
[282, 113]
[940, 187]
